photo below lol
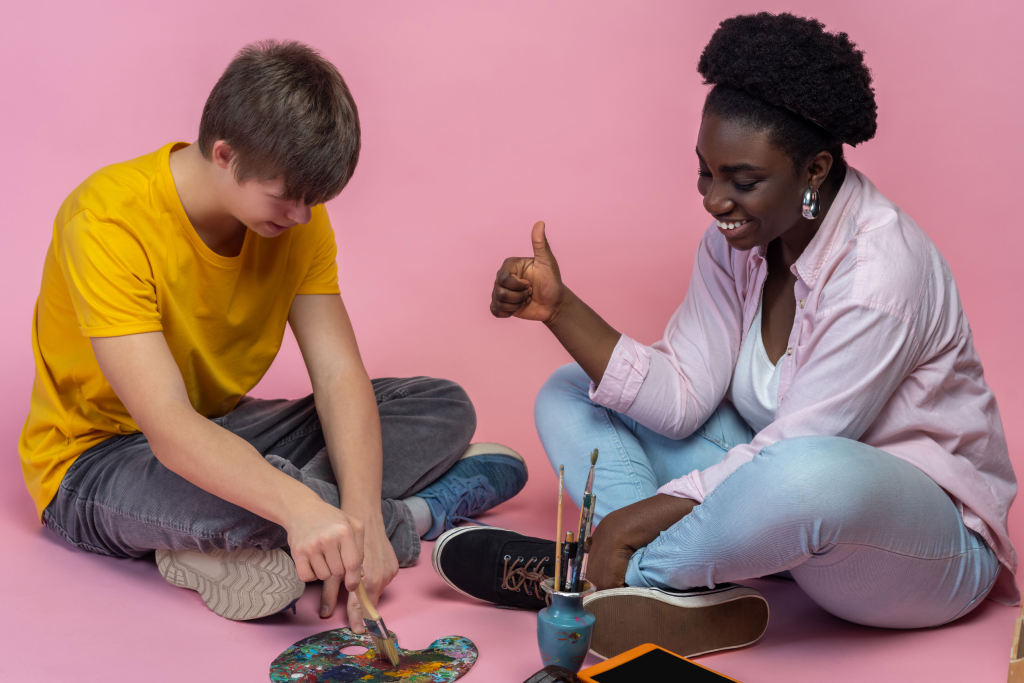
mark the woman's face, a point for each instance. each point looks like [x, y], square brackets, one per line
[748, 184]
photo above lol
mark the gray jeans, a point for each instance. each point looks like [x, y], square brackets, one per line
[118, 500]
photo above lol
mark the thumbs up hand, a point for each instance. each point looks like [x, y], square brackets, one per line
[529, 288]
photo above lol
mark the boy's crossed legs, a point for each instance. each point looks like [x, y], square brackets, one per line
[119, 500]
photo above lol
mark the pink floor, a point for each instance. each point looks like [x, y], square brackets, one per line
[70, 615]
[480, 118]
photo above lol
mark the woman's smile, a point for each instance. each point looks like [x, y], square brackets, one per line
[736, 229]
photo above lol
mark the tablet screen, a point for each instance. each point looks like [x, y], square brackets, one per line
[658, 665]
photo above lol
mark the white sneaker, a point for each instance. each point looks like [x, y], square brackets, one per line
[238, 585]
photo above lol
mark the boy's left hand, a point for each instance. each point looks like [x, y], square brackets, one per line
[380, 566]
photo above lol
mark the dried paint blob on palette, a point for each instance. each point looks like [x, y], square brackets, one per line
[319, 659]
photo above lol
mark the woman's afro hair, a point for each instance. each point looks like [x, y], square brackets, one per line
[791, 63]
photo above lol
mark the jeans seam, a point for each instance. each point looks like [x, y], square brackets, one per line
[665, 536]
[400, 391]
[297, 434]
[912, 557]
[628, 464]
[150, 522]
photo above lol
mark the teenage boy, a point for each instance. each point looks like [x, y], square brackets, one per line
[165, 294]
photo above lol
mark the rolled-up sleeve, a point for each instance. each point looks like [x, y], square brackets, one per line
[674, 385]
[626, 372]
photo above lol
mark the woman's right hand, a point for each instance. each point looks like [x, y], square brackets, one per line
[529, 288]
[532, 289]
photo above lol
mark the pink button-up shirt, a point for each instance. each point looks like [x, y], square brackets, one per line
[880, 352]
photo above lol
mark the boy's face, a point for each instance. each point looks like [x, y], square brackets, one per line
[259, 206]
[256, 204]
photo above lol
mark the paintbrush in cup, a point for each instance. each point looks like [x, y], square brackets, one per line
[589, 488]
[586, 518]
[383, 643]
[558, 532]
[585, 552]
[583, 545]
[568, 554]
[585, 508]
[587, 491]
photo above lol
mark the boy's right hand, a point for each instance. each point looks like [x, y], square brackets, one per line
[529, 288]
[326, 542]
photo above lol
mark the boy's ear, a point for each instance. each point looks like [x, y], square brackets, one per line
[221, 154]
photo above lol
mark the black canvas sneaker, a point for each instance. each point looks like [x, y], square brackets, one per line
[505, 568]
[690, 622]
[494, 565]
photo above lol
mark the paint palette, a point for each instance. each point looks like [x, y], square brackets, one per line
[319, 659]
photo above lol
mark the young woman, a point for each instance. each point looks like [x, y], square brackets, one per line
[816, 406]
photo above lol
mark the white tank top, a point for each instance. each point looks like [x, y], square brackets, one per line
[754, 389]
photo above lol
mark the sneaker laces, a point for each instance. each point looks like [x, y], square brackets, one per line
[463, 497]
[516, 578]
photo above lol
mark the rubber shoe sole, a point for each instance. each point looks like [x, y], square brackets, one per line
[687, 624]
[238, 585]
[484, 448]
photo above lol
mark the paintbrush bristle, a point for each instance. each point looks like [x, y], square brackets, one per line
[593, 458]
[386, 647]
[383, 643]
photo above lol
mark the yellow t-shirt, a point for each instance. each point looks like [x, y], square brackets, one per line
[124, 259]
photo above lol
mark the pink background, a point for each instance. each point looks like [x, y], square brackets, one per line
[478, 119]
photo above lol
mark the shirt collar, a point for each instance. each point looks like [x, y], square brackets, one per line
[817, 253]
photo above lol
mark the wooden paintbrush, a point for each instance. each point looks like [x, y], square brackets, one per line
[382, 640]
[558, 532]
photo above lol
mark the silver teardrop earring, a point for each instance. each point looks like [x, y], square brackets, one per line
[811, 206]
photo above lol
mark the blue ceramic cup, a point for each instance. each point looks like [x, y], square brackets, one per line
[564, 629]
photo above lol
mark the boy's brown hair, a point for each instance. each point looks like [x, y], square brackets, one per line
[286, 113]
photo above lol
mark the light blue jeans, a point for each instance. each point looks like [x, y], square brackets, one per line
[869, 537]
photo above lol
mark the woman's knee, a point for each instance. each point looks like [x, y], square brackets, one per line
[830, 469]
[811, 487]
[832, 490]
[566, 386]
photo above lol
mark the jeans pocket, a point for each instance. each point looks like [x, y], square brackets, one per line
[51, 523]
[67, 482]
[725, 428]
[713, 431]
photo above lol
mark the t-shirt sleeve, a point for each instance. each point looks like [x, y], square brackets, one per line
[109, 276]
[322, 276]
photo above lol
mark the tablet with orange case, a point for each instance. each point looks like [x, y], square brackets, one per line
[649, 662]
